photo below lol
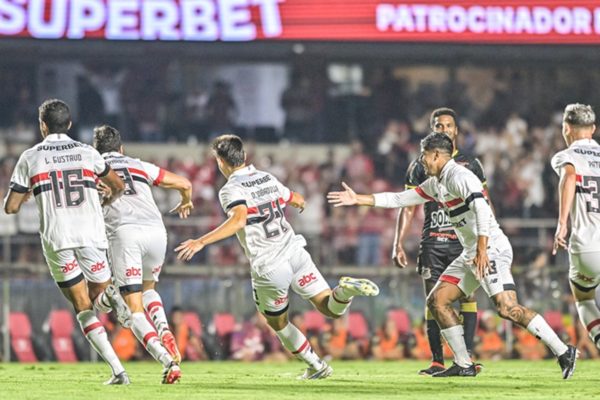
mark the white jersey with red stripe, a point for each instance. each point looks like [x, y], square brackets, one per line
[461, 194]
[267, 236]
[137, 205]
[62, 172]
[584, 155]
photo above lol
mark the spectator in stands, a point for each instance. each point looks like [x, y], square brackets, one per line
[336, 343]
[188, 343]
[490, 344]
[386, 342]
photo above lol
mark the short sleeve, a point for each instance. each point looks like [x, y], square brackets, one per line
[155, 173]
[560, 159]
[415, 175]
[286, 193]
[19, 181]
[101, 168]
[427, 189]
[467, 187]
[231, 196]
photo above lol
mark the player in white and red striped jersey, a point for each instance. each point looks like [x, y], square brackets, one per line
[61, 172]
[137, 244]
[254, 201]
[485, 260]
[579, 191]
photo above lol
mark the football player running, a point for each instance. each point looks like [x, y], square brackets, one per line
[485, 260]
[439, 244]
[138, 242]
[579, 169]
[61, 173]
[254, 201]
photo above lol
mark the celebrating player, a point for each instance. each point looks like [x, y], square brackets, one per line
[579, 169]
[138, 241]
[485, 260]
[254, 201]
[439, 244]
[61, 173]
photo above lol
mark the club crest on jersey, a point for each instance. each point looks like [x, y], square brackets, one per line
[70, 266]
[131, 272]
[99, 266]
[307, 279]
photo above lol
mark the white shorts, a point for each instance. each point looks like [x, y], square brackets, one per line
[137, 254]
[584, 270]
[70, 266]
[298, 271]
[462, 272]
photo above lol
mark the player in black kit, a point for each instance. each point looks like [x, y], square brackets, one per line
[439, 244]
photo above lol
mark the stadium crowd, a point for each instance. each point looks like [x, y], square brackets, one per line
[252, 340]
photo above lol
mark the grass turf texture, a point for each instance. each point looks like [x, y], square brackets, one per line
[351, 380]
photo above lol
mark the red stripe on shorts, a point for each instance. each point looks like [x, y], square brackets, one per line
[450, 279]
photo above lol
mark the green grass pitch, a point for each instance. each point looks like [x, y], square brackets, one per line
[351, 380]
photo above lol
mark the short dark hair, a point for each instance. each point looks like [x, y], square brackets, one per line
[438, 112]
[106, 139]
[230, 149]
[56, 115]
[437, 141]
[579, 115]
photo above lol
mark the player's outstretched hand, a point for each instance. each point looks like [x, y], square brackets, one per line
[183, 209]
[188, 248]
[345, 198]
[560, 238]
[399, 257]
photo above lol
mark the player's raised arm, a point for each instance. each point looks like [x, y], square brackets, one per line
[566, 193]
[236, 221]
[169, 180]
[349, 198]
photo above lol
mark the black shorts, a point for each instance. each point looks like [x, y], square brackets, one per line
[432, 261]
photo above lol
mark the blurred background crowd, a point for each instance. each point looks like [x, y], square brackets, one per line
[313, 124]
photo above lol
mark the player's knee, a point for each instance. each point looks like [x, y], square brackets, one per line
[434, 302]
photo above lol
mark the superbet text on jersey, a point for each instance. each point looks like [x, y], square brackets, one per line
[61, 172]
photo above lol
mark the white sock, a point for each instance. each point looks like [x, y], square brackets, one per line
[342, 294]
[336, 304]
[146, 334]
[102, 304]
[95, 334]
[455, 336]
[297, 344]
[154, 308]
[589, 315]
[540, 329]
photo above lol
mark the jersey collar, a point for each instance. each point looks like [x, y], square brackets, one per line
[449, 165]
[55, 137]
[247, 170]
[584, 142]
